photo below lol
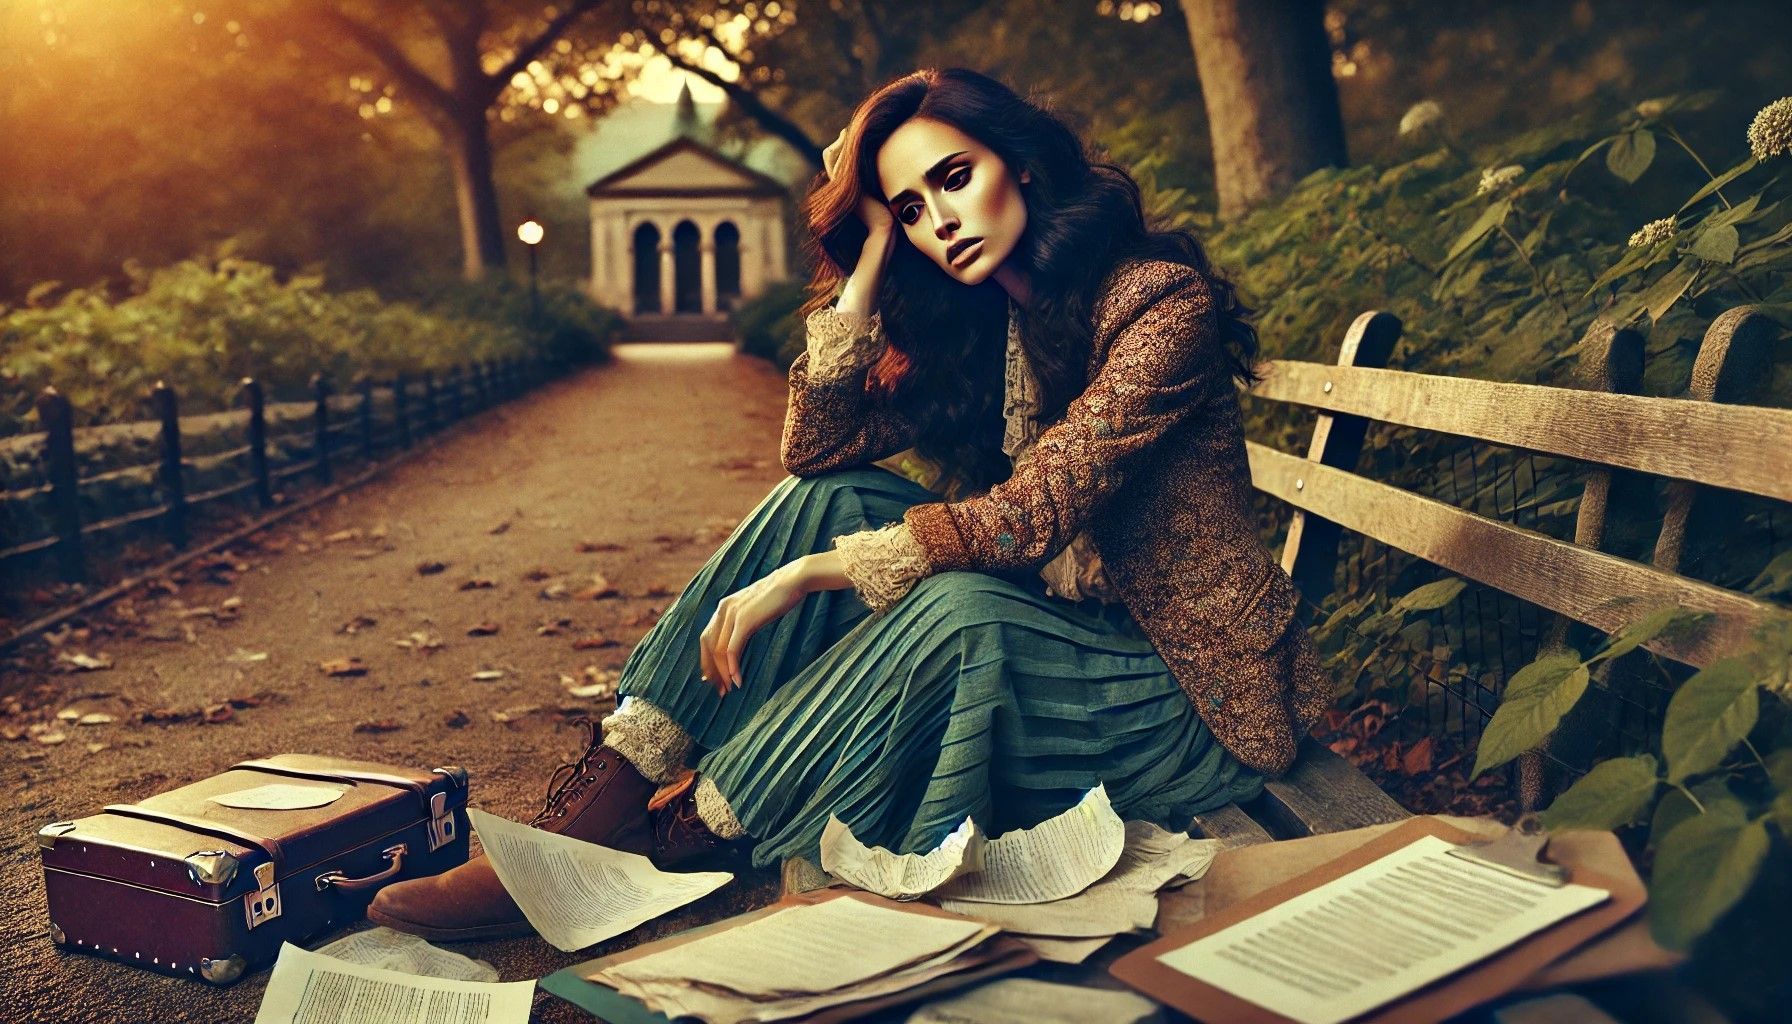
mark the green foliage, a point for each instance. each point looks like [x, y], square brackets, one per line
[767, 323]
[204, 324]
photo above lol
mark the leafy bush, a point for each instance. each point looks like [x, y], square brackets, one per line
[566, 327]
[767, 324]
[205, 323]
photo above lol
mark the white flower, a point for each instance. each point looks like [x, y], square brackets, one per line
[1495, 178]
[1771, 132]
[1653, 232]
[1652, 108]
[1420, 116]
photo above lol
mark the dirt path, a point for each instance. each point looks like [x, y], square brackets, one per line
[634, 471]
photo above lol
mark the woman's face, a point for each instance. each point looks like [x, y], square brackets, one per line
[952, 197]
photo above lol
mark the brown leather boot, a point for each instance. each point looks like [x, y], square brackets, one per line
[682, 842]
[599, 798]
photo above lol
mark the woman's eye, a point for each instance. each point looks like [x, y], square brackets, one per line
[954, 176]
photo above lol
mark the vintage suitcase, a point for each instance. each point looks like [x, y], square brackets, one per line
[183, 884]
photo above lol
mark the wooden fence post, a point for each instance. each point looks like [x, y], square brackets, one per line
[456, 403]
[401, 417]
[432, 417]
[58, 418]
[174, 487]
[258, 441]
[320, 388]
[365, 385]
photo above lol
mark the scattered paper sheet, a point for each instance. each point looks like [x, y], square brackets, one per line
[1102, 909]
[900, 876]
[280, 796]
[308, 988]
[391, 950]
[1064, 951]
[577, 893]
[1030, 1001]
[1155, 859]
[1056, 858]
[814, 948]
[1376, 933]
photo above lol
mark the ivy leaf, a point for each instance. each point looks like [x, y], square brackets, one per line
[1716, 243]
[1490, 218]
[1535, 701]
[1708, 715]
[1431, 596]
[1674, 808]
[1702, 868]
[1666, 619]
[1775, 579]
[1631, 154]
[1719, 182]
[1614, 793]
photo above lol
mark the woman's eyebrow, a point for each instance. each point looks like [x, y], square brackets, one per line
[933, 174]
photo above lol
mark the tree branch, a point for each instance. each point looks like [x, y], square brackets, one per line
[773, 122]
[395, 60]
[532, 49]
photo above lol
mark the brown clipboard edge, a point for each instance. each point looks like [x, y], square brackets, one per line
[1460, 990]
[1001, 954]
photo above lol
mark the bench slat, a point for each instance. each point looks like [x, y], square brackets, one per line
[1324, 793]
[1554, 574]
[1230, 825]
[1737, 447]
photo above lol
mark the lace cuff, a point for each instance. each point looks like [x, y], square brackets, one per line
[840, 343]
[883, 564]
[648, 737]
[713, 808]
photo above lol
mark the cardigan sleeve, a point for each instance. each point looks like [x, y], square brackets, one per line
[1158, 371]
[830, 421]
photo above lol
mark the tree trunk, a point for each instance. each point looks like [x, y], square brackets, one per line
[476, 194]
[1272, 105]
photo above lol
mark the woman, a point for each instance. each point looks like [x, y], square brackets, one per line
[1090, 604]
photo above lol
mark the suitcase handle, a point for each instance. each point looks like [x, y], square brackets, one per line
[394, 857]
[266, 844]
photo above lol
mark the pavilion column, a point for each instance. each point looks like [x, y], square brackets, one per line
[708, 261]
[668, 278]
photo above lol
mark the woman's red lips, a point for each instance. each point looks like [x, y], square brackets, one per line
[959, 248]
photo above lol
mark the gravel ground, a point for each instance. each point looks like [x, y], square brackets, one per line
[632, 471]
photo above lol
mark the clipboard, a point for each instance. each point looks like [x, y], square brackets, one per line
[1464, 989]
[1001, 954]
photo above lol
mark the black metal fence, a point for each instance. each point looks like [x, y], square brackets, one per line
[375, 417]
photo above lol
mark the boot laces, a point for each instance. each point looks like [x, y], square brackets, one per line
[569, 779]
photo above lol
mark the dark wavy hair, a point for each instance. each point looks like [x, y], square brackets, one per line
[944, 363]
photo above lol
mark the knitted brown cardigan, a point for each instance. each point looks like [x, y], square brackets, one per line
[1150, 459]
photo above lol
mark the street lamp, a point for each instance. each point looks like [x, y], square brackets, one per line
[530, 232]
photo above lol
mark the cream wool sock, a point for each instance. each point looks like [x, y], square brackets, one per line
[713, 808]
[649, 738]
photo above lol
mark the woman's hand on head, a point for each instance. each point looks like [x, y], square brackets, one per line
[739, 615]
[877, 217]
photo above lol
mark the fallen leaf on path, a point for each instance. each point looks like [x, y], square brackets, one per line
[10, 733]
[94, 748]
[33, 755]
[378, 532]
[593, 642]
[478, 583]
[420, 641]
[352, 533]
[69, 714]
[502, 527]
[79, 662]
[539, 573]
[343, 667]
[554, 592]
[553, 627]
[51, 738]
[599, 588]
[169, 716]
[244, 702]
[484, 629]
[488, 675]
[457, 720]
[243, 657]
[95, 718]
[218, 714]
[431, 568]
[586, 547]
[382, 725]
[512, 714]
[357, 624]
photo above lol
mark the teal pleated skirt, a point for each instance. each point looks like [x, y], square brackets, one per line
[974, 695]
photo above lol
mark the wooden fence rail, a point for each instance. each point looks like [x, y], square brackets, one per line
[463, 391]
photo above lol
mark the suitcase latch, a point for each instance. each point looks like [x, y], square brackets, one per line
[263, 905]
[441, 822]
